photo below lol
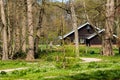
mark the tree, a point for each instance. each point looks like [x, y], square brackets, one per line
[30, 53]
[24, 26]
[38, 28]
[5, 44]
[108, 34]
[17, 26]
[117, 22]
[74, 24]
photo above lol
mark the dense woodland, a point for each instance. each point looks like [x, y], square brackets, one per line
[26, 24]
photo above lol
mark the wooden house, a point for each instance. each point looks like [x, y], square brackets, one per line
[87, 35]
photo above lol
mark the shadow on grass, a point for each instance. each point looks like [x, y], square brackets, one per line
[95, 75]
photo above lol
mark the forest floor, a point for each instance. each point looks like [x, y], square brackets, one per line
[85, 67]
[52, 65]
[23, 68]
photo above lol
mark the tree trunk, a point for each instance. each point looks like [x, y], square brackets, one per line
[108, 35]
[17, 27]
[74, 24]
[24, 26]
[38, 29]
[9, 28]
[5, 44]
[24, 35]
[118, 23]
[30, 54]
[17, 37]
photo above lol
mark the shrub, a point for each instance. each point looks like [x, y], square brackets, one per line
[3, 73]
[19, 55]
[81, 76]
[19, 73]
[98, 75]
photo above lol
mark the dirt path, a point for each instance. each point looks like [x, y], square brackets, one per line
[10, 70]
[91, 59]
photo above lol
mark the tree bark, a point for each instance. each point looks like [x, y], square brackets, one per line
[9, 28]
[74, 24]
[24, 35]
[30, 54]
[5, 44]
[118, 22]
[108, 34]
[38, 29]
[24, 26]
[17, 27]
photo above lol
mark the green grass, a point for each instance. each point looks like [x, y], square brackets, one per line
[11, 64]
[15, 64]
[50, 65]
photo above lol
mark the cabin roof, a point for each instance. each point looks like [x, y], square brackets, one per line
[89, 37]
[100, 31]
[80, 27]
[94, 34]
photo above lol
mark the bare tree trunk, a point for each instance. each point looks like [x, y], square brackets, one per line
[24, 34]
[17, 37]
[41, 14]
[5, 44]
[108, 35]
[117, 18]
[118, 24]
[8, 28]
[30, 54]
[74, 24]
[24, 21]
[17, 27]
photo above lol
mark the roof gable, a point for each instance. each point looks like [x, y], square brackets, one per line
[99, 32]
[89, 37]
[80, 27]
[94, 34]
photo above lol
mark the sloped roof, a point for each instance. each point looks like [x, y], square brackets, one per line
[89, 37]
[100, 31]
[94, 34]
[80, 27]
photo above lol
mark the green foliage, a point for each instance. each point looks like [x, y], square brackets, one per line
[19, 73]
[98, 75]
[13, 64]
[82, 76]
[107, 74]
[50, 66]
[95, 75]
[98, 65]
[3, 73]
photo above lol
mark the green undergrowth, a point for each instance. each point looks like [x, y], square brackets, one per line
[52, 54]
[14, 64]
[11, 64]
[76, 71]
[60, 63]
